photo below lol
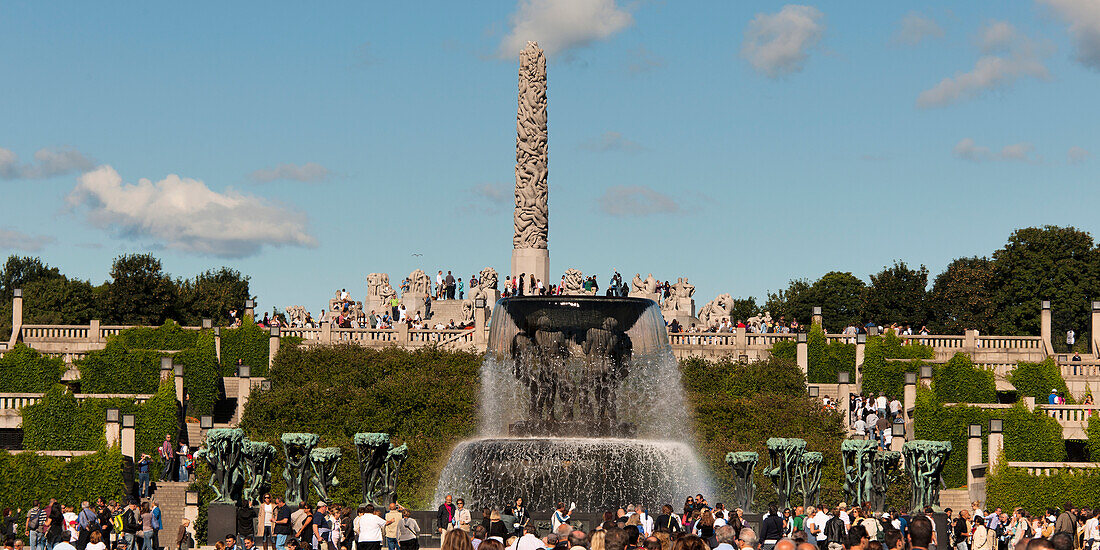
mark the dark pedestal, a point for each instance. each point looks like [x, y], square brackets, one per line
[943, 531]
[221, 520]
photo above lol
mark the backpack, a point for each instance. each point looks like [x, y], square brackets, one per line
[156, 520]
[32, 519]
[116, 523]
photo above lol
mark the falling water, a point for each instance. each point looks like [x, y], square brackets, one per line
[557, 447]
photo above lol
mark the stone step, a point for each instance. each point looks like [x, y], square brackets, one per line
[955, 499]
[171, 497]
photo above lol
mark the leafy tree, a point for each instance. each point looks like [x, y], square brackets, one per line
[838, 293]
[796, 302]
[139, 292]
[897, 295]
[21, 270]
[211, 295]
[962, 297]
[1060, 264]
[743, 308]
[59, 301]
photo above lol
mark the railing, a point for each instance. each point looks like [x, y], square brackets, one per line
[11, 401]
[56, 333]
[1069, 414]
[1080, 369]
[1010, 342]
[768, 339]
[108, 331]
[936, 340]
[1048, 468]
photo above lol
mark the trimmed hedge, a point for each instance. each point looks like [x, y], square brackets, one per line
[785, 349]
[826, 359]
[425, 398]
[24, 370]
[1037, 379]
[1093, 443]
[1028, 435]
[1008, 488]
[118, 368]
[201, 375]
[880, 374]
[249, 343]
[60, 423]
[959, 381]
[29, 477]
[169, 336]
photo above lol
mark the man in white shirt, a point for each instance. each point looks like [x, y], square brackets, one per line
[860, 428]
[895, 409]
[1092, 531]
[529, 540]
[368, 528]
[842, 511]
[880, 404]
[818, 529]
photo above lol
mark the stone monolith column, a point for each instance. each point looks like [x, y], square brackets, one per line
[530, 254]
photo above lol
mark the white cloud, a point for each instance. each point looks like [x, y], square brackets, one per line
[636, 200]
[611, 141]
[914, 28]
[966, 149]
[1083, 17]
[1078, 155]
[1009, 57]
[48, 163]
[310, 172]
[184, 214]
[778, 44]
[494, 192]
[560, 25]
[11, 239]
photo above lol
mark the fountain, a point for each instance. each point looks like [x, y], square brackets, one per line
[581, 402]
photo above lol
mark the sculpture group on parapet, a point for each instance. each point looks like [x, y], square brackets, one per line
[868, 472]
[240, 468]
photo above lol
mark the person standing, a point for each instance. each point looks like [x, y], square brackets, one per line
[393, 525]
[1066, 522]
[281, 523]
[181, 456]
[165, 452]
[87, 523]
[368, 529]
[445, 516]
[36, 526]
[409, 534]
[462, 519]
[266, 521]
[144, 465]
[245, 516]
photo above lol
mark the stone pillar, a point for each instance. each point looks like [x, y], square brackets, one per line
[996, 447]
[1029, 402]
[16, 316]
[844, 398]
[94, 335]
[326, 332]
[740, 339]
[970, 339]
[273, 345]
[530, 250]
[128, 436]
[250, 309]
[218, 344]
[481, 320]
[402, 334]
[1044, 327]
[973, 455]
[802, 354]
[817, 318]
[177, 373]
[244, 390]
[861, 348]
[112, 433]
[1095, 348]
[909, 399]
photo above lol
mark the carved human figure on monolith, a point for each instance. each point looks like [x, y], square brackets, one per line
[257, 462]
[373, 449]
[883, 469]
[809, 475]
[924, 462]
[323, 462]
[222, 452]
[785, 456]
[856, 456]
[744, 487]
[297, 474]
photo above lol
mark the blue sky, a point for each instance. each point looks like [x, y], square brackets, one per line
[739, 144]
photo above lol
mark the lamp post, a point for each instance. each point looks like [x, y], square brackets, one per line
[207, 323]
[129, 435]
[996, 441]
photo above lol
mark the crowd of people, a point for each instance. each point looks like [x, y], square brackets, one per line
[129, 525]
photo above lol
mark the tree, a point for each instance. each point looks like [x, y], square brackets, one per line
[838, 294]
[211, 295]
[59, 301]
[139, 291]
[1060, 264]
[743, 308]
[962, 297]
[794, 303]
[897, 295]
[20, 270]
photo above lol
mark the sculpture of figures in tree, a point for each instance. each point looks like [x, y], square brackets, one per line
[883, 470]
[487, 279]
[373, 451]
[785, 456]
[809, 475]
[296, 449]
[531, 213]
[574, 282]
[395, 458]
[924, 462]
[744, 487]
[419, 282]
[257, 462]
[856, 456]
[323, 462]
[222, 452]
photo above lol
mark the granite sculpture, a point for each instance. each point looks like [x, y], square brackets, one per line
[744, 487]
[487, 279]
[573, 285]
[924, 461]
[296, 314]
[379, 466]
[323, 463]
[716, 310]
[785, 455]
[257, 466]
[531, 218]
[809, 475]
[395, 458]
[222, 451]
[419, 282]
[297, 473]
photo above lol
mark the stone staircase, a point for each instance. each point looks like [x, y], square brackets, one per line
[955, 499]
[171, 497]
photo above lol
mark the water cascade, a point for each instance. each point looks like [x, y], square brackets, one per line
[581, 402]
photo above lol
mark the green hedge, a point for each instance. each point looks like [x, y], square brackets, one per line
[58, 422]
[1011, 487]
[1093, 444]
[425, 398]
[201, 375]
[880, 374]
[960, 381]
[249, 343]
[169, 336]
[1028, 436]
[24, 370]
[118, 368]
[742, 380]
[826, 359]
[29, 477]
[1037, 379]
[785, 349]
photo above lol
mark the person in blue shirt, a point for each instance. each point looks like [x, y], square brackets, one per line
[1053, 398]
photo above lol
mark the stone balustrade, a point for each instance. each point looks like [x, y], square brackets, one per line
[1073, 418]
[1048, 468]
[9, 401]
